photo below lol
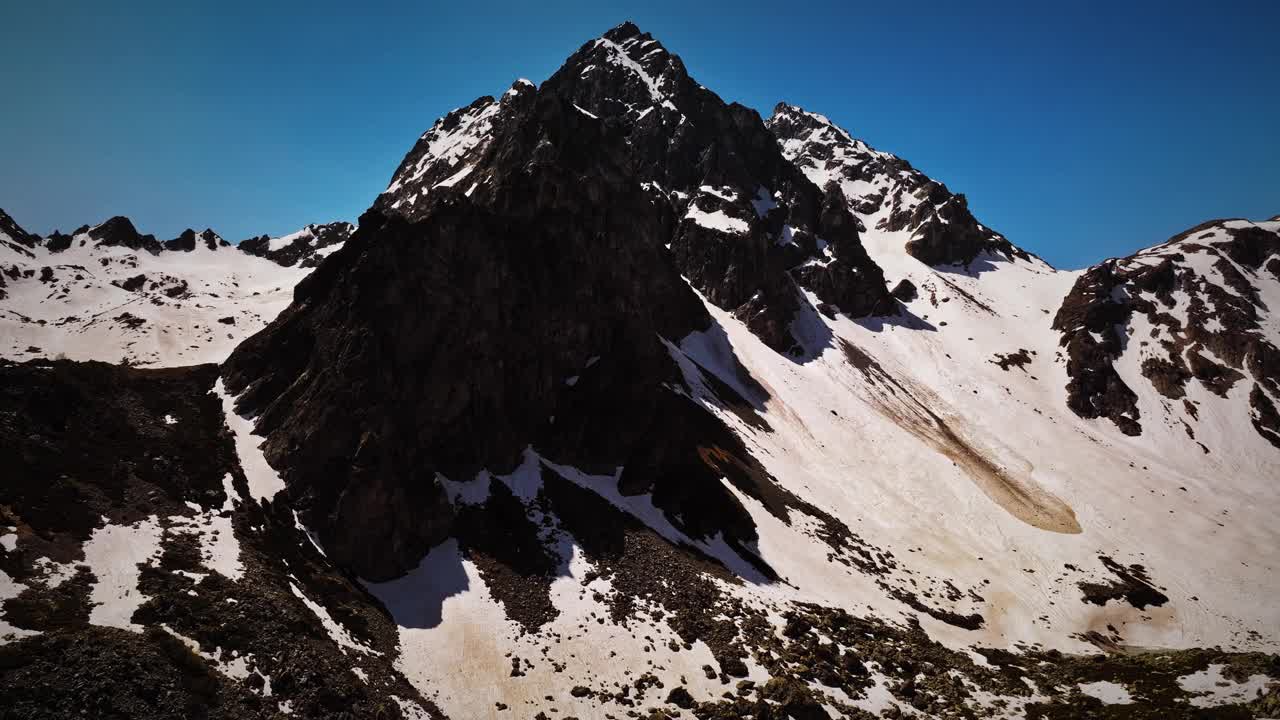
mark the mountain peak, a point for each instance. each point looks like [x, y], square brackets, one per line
[116, 224]
[785, 108]
[631, 62]
[623, 76]
[118, 231]
[625, 30]
[187, 240]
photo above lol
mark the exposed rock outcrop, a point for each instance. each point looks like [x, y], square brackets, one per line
[186, 242]
[1190, 307]
[13, 235]
[304, 248]
[120, 232]
[888, 189]
[905, 291]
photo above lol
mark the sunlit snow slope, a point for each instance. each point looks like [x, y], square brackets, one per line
[959, 411]
[107, 293]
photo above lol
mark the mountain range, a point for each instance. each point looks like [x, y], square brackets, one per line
[625, 401]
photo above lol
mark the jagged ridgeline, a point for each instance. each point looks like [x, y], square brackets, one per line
[606, 409]
[108, 292]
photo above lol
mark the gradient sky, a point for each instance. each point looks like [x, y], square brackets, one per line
[1081, 131]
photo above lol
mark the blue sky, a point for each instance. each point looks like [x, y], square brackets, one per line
[1081, 130]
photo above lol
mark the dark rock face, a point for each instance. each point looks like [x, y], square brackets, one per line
[850, 280]
[433, 390]
[681, 698]
[740, 219]
[1263, 414]
[133, 284]
[120, 232]
[447, 154]
[751, 219]
[17, 238]
[943, 231]
[1088, 320]
[57, 242]
[562, 244]
[187, 241]
[905, 291]
[305, 248]
[946, 233]
[684, 136]
[160, 283]
[1202, 328]
[1130, 584]
[1019, 359]
[68, 466]
[118, 673]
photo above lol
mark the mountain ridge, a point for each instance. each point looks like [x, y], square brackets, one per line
[109, 292]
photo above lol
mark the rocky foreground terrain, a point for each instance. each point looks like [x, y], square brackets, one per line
[624, 401]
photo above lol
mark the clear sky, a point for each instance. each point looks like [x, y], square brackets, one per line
[1081, 130]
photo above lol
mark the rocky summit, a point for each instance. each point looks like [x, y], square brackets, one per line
[625, 401]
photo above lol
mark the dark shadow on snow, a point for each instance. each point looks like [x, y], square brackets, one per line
[905, 319]
[813, 333]
[416, 599]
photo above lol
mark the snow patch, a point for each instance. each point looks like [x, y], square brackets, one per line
[717, 221]
[264, 481]
[618, 56]
[336, 631]
[763, 202]
[1213, 689]
[454, 178]
[113, 553]
[1107, 691]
